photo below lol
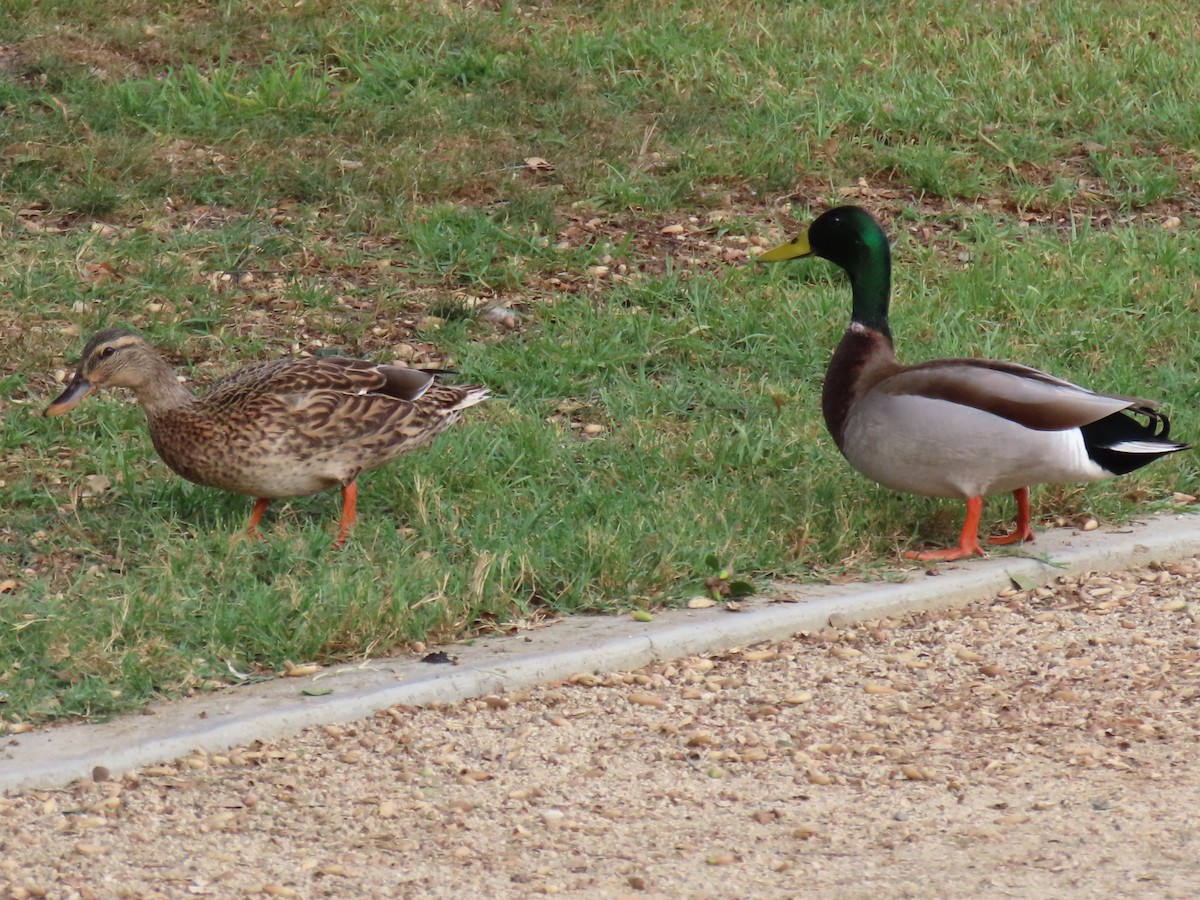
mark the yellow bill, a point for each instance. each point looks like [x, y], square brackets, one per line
[793, 249]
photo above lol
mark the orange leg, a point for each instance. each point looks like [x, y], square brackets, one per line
[349, 507]
[1022, 532]
[968, 541]
[256, 514]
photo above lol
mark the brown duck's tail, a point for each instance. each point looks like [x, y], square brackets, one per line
[472, 395]
[449, 398]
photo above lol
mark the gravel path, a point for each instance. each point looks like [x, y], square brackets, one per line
[1038, 744]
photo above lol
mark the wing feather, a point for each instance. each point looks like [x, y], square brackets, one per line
[1018, 393]
[296, 377]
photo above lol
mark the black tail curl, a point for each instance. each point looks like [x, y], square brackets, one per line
[1104, 437]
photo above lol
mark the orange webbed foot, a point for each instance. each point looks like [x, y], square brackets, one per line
[1023, 531]
[1016, 536]
[968, 540]
[947, 554]
[252, 533]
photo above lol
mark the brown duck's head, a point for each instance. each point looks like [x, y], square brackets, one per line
[114, 357]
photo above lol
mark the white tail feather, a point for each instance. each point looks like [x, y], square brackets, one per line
[473, 396]
[1155, 447]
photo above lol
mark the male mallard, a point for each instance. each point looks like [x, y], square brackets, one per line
[282, 428]
[962, 428]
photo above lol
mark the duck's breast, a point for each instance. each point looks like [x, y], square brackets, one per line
[264, 461]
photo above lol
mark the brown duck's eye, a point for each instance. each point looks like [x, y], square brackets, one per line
[107, 352]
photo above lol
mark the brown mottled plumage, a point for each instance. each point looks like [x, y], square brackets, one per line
[283, 428]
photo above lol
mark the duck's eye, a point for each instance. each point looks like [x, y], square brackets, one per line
[107, 352]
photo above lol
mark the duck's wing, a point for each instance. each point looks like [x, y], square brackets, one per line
[287, 377]
[314, 403]
[1018, 393]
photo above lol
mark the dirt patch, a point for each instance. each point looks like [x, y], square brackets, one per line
[1037, 743]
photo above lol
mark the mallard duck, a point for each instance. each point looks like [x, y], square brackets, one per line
[959, 428]
[282, 428]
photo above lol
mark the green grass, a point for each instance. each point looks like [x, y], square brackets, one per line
[243, 179]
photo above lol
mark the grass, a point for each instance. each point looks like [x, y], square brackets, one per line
[242, 180]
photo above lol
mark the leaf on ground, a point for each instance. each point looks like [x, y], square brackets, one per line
[95, 485]
[1023, 582]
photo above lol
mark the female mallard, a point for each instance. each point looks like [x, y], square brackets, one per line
[962, 428]
[283, 428]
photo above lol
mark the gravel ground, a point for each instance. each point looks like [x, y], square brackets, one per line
[1037, 744]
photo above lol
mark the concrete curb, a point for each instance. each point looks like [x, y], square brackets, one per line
[271, 710]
